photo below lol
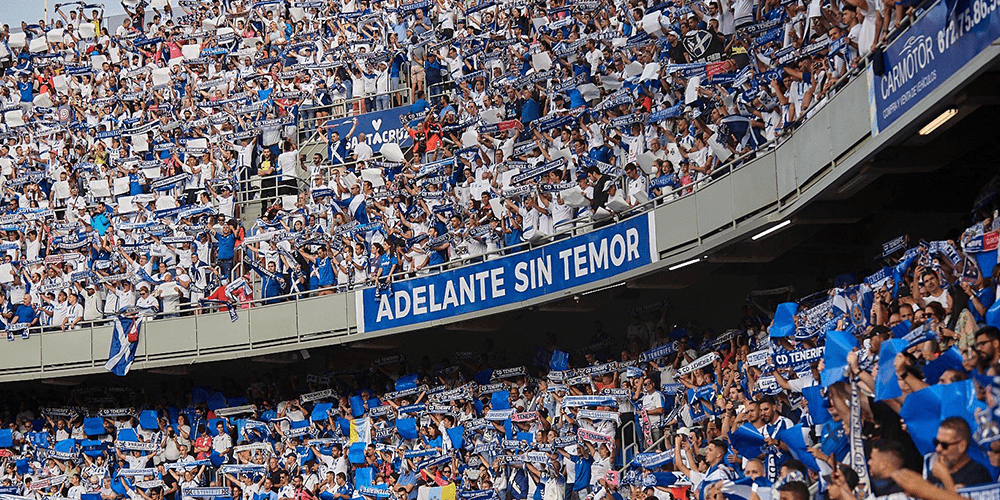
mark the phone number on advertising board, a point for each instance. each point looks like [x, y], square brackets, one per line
[963, 22]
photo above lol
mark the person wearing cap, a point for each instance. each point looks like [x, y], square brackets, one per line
[433, 71]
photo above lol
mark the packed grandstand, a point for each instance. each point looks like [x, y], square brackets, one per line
[135, 153]
[138, 152]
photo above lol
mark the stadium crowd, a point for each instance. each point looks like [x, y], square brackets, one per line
[887, 386]
[130, 147]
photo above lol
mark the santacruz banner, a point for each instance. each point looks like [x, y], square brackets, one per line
[379, 127]
[601, 254]
[937, 45]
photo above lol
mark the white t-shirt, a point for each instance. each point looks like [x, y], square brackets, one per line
[653, 401]
[286, 163]
[73, 312]
[363, 151]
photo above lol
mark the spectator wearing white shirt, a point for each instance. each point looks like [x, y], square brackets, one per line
[74, 313]
[362, 151]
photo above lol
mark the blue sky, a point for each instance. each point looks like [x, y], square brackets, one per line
[15, 11]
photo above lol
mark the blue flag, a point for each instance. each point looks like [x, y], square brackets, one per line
[405, 382]
[6, 438]
[816, 404]
[93, 426]
[901, 329]
[948, 360]
[321, 411]
[784, 320]
[796, 443]
[148, 420]
[924, 410]
[500, 400]
[92, 448]
[127, 434]
[124, 341]
[407, 428]
[357, 406]
[559, 361]
[356, 453]
[456, 434]
[838, 344]
[886, 381]
[747, 440]
[363, 477]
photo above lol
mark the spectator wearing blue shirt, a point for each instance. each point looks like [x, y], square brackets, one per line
[395, 66]
[531, 110]
[343, 491]
[337, 146]
[512, 229]
[273, 284]
[432, 71]
[388, 263]
[26, 89]
[582, 462]
[226, 240]
[25, 316]
[420, 104]
[266, 491]
[981, 297]
[321, 275]
[437, 251]
[99, 221]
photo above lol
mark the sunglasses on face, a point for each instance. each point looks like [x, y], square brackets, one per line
[944, 444]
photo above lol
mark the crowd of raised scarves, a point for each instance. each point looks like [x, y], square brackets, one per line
[130, 147]
[885, 387]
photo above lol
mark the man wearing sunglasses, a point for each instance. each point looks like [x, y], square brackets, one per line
[950, 466]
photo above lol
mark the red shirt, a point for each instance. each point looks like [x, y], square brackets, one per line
[220, 294]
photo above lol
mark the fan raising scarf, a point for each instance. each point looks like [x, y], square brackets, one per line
[857, 456]
[644, 424]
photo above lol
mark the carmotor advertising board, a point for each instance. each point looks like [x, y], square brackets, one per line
[941, 42]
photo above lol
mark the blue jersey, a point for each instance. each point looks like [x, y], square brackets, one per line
[26, 89]
[386, 263]
[582, 467]
[272, 287]
[227, 246]
[326, 274]
[24, 314]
